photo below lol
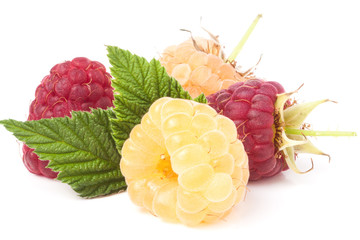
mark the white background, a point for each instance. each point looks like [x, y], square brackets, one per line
[311, 42]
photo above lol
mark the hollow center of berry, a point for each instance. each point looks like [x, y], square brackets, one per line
[164, 166]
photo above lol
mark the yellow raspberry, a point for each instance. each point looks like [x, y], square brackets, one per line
[199, 65]
[183, 162]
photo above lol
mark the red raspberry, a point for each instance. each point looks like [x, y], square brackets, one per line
[76, 85]
[270, 126]
[250, 105]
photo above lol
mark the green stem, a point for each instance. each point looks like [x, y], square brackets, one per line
[242, 42]
[319, 133]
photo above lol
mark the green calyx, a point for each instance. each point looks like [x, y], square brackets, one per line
[291, 137]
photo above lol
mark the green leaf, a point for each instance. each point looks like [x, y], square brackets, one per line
[80, 148]
[137, 84]
[201, 98]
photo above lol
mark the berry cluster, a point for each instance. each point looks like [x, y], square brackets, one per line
[186, 161]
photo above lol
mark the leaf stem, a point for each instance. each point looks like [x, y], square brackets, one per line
[319, 133]
[242, 42]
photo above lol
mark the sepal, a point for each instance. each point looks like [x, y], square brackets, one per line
[290, 161]
[295, 115]
[308, 147]
[287, 142]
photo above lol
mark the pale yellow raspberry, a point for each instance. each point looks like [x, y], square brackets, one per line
[184, 162]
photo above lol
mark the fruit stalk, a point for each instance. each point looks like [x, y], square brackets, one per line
[315, 133]
[242, 42]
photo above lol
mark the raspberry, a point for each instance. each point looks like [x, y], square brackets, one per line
[184, 162]
[76, 85]
[199, 66]
[250, 105]
[270, 126]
